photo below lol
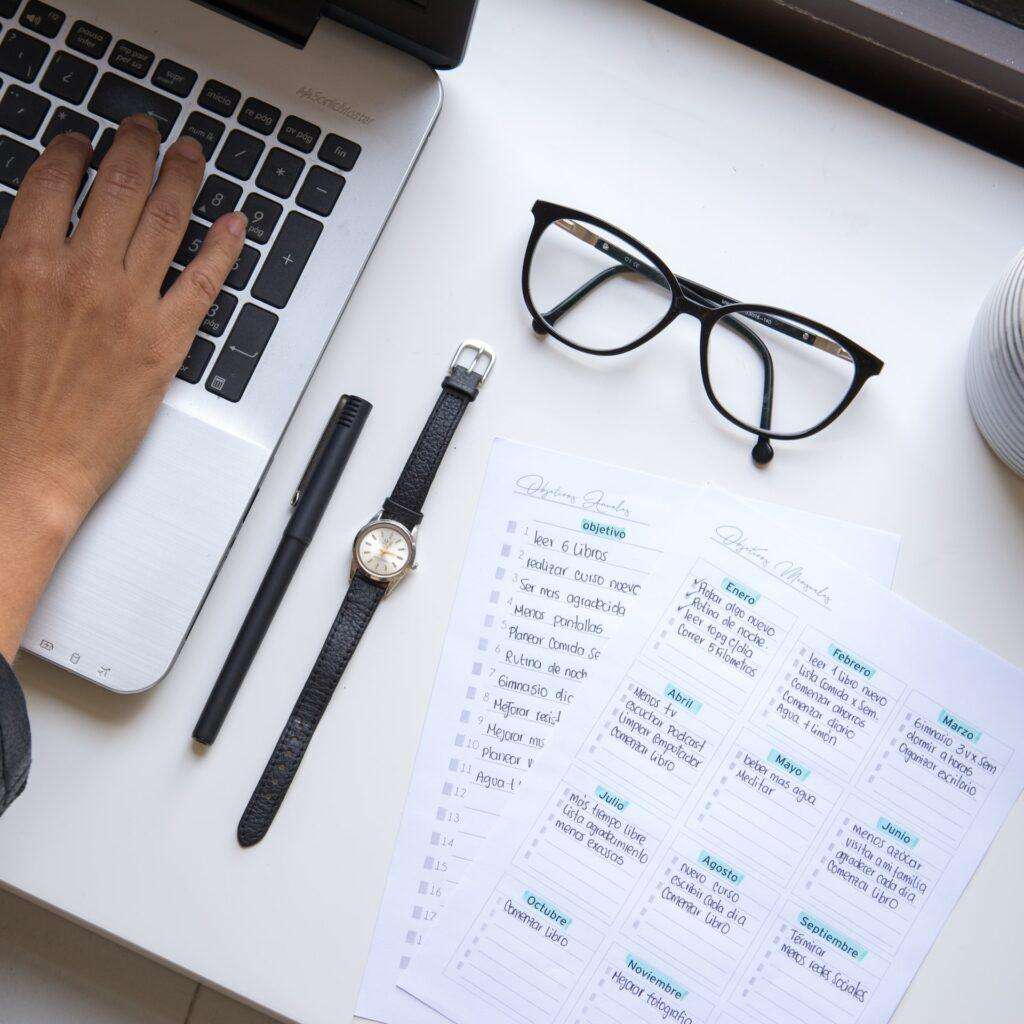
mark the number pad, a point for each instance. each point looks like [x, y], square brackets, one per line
[217, 316]
[195, 234]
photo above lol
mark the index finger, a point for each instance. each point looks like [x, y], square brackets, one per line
[46, 198]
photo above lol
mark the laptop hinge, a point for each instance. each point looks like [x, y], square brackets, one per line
[292, 21]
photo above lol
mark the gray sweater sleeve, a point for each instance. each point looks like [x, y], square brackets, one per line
[15, 738]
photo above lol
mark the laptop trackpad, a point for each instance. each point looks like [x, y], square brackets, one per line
[128, 588]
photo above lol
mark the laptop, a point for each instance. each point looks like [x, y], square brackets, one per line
[312, 115]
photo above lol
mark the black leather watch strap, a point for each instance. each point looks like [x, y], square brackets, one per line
[458, 389]
[352, 619]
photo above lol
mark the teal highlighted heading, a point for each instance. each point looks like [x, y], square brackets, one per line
[655, 977]
[546, 909]
[599, 529]
[851, 661]
[610, 798]
[787, 764]
[740, 591]
[829, 935]
[683, 699]
[898, 832]
[719, 867]
[959, 725]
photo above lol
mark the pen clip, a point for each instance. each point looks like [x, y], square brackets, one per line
[318, 451]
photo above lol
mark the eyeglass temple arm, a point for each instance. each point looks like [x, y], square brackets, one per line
[696, 292]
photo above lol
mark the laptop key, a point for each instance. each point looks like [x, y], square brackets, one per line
[218, 196]
[215, 322]
[21, 56]
[131, 58]
[259, 116]
[67, 120]
[243, 268]
[22, 112]
[89, 39]
[15, 160]
[174, 77]
[287, 259]
[100, 150]
[263, 216]
[196, 361]
[299, 134]
[280, 172]
[192, 242]
[8, 7]
[6, 202]
[320, 191]
[240, 154]
[339, 152]
[42, 18]
[68, 77]
[219, 98]
[205, 130]
[241, 352]
[116, 98]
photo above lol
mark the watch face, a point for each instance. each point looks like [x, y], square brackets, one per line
[383, 551]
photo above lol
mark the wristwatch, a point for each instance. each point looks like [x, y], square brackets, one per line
[383, 554]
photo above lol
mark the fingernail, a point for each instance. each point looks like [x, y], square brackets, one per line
[189, 148]
[236, 224]
[142, 120]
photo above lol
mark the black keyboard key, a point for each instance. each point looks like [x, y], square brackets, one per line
[205, 130]
[131, 58]
[259, 116]
[100, 150]
[263, 216]
[116, 98]
[215, 323]
[219, 98]
[241, 352]
[243, 268]
[42, 18]
[299, 134]
[8, 7]
[68, 77]
[15, 160]
[240, 154]
[67, 120]
[22, 112]
[196, 361]
[320, 190]
[195, 233]
[6, 202]
[339, 152]
[217, 196]
[174, 77]
[21, 56]
[89, 39]
[287, 259]
[280, 172]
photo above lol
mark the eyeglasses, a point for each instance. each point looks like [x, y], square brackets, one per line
[769, 371]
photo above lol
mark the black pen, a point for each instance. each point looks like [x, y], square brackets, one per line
[309, 503]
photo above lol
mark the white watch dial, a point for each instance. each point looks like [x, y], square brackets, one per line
[383, 551]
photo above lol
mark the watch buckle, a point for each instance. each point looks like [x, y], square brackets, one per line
[479, 351]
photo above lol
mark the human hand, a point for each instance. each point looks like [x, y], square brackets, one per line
[88, 345]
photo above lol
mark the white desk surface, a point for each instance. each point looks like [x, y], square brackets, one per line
[744, 174]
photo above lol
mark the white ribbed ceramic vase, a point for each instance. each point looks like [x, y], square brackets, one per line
[995, 367]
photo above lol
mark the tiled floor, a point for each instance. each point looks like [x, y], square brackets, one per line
[54, 971]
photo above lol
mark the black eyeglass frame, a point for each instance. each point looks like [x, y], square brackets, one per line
[719, 306]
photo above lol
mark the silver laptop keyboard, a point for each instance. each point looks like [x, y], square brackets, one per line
[77, 77]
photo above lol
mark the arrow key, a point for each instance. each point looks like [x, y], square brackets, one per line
[68, 77]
